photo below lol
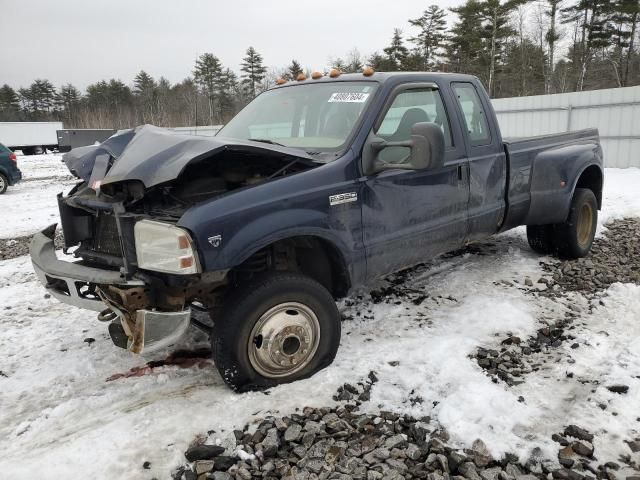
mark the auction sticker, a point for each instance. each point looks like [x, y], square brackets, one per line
[348, 97]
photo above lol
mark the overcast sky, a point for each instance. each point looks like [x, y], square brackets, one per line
[83, 41]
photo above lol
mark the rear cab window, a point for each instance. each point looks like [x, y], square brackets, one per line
[474, 116]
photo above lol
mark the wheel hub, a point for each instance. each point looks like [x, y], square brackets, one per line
[284, 340]
[585, 224]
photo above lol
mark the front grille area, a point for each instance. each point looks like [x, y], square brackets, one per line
[105, 238]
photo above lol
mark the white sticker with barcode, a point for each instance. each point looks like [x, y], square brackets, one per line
[348, 97]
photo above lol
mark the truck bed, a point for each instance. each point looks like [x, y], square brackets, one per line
[537, 167]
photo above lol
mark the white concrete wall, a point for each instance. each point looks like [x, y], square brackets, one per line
[614, 112]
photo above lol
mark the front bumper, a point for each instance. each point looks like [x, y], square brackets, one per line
[69, 282]
[77, 285]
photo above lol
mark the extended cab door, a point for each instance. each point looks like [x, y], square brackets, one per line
[487, 160]
[411, 215]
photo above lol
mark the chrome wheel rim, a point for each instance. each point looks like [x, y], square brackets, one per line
[585, 224]
[284, 340]
[1, 183]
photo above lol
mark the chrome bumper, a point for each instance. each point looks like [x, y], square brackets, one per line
[75, 284]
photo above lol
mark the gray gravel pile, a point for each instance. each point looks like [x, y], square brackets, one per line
[614, 258]
[341, 443]
[516, 357]
[19, 246]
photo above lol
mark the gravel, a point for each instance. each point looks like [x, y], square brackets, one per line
[615, 257]
[19, 246]
[347, 444]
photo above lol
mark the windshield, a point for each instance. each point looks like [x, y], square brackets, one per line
[313, 117]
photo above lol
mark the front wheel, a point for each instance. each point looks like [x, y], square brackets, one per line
[280, 327]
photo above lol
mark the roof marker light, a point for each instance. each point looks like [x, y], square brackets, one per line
[367, 71]
[316, 75]
[281, 81]
[301, 77]
[334, 73]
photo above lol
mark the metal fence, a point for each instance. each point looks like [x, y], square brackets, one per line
[614, 112]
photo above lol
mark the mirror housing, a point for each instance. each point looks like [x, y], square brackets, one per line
[426, 145]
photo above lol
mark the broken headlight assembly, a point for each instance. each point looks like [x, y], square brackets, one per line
[163, 247]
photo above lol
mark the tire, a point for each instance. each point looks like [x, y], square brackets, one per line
[39, 150]
[574, 237]
[541, 238]
[4, 183]
[27, 151]
[293, 311]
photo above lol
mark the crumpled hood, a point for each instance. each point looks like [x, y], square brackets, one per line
[155, 155]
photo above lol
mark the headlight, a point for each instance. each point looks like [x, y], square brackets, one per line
[163, 247]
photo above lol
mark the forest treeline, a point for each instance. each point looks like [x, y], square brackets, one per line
[516, 47]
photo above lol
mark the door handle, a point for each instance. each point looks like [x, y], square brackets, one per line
[460, 173]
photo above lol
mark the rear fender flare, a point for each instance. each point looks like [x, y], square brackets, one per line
[554, 179]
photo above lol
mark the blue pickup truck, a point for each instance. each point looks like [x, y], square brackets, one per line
[318, 186]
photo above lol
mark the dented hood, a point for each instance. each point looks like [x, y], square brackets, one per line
[155, 155]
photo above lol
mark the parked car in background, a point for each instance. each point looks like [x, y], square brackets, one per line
[31, 138]
[10, 174]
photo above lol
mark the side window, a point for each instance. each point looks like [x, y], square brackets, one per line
[475, 118]
[408, 108]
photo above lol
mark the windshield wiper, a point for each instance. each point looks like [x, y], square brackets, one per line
[266, 140]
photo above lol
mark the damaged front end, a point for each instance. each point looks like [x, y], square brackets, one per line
[133, 264]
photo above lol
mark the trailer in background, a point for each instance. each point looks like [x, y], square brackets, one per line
[30, 137]
[71, 138]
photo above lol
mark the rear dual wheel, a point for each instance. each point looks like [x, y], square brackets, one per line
[572, 238]
[280, 327]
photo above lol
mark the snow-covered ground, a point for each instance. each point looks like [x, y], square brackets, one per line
[31, 205]
[60, 417]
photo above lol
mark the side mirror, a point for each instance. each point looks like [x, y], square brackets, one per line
[426, 150]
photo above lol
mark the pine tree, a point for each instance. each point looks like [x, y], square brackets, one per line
[208, 75]
[497, 31]
[466, 43]
[39, 99]
[339, 64]
[293, 70]
[9, 104]
[253, 71]
[69, 102]
[625, 18]
[591, 18]
[229, 94]
[144, 88]
[396, 52]
[432, 25]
